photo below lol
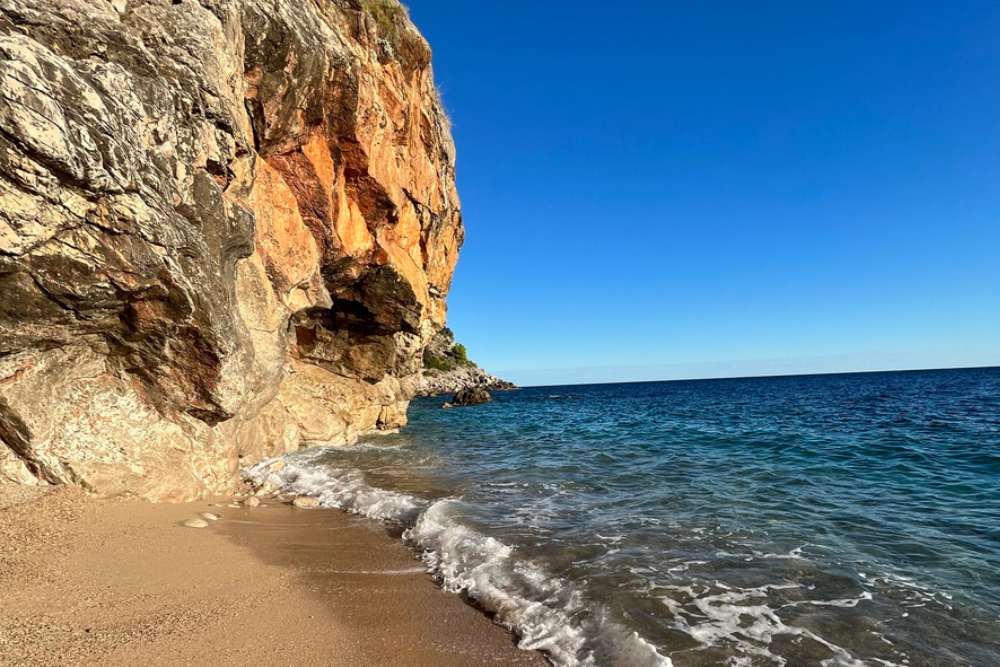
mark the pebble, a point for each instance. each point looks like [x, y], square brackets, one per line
[267, 489]
[252, 502]
[209, 516]
[234, 505]
[306, 502]
[196, 523]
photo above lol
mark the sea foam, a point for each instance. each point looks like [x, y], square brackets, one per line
[342, 489]
[546, 613]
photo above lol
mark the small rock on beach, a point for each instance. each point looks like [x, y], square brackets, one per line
[306, 502]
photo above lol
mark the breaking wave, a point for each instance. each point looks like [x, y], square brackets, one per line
[546, 613]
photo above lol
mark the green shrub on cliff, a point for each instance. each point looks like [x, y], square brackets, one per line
[454, 357]
[438, 363]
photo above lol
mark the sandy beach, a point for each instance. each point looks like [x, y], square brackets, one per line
[85, 581]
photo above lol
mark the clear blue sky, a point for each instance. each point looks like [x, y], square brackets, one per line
[663, 189]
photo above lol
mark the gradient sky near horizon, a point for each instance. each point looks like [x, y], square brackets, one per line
[659, 190]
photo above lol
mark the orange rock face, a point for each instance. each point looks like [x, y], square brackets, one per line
[281, 237]
[232, 237]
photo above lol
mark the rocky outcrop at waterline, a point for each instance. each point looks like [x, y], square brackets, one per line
[435, 383]
[448, 369]
[227, 229]
[469, 396]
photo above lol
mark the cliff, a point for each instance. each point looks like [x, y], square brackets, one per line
[227, 230]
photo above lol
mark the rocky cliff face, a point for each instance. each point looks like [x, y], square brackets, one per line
[227, 228]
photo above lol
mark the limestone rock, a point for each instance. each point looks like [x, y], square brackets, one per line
[266, 489]
[195, 523]
[306, 502]
[227, 230]
[434, 383]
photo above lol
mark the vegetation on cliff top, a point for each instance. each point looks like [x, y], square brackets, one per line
[393, 21]
[389, 14]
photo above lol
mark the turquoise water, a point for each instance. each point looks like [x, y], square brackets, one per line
[814, 520]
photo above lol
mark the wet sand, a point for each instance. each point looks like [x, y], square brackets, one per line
[84, 581]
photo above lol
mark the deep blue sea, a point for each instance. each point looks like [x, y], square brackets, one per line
[813, 520]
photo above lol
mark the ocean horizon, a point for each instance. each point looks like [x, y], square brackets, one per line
[766, 375]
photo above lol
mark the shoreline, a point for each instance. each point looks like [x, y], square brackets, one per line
[86, 580]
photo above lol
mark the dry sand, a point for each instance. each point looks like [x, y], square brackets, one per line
[84, 581]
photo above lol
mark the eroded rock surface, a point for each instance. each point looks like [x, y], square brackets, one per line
[227, 229]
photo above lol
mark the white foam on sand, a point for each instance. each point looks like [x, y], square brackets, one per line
[546, 613]
[336, 488]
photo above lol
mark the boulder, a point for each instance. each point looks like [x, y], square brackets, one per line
[471, 396]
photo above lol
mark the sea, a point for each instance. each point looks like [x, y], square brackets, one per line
[831, 520]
